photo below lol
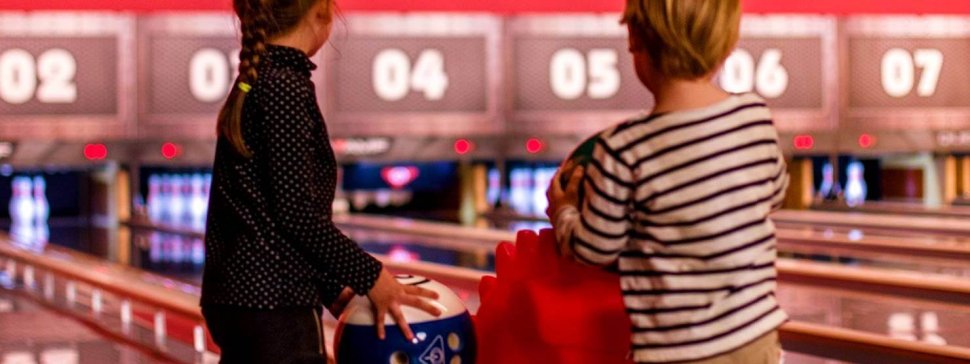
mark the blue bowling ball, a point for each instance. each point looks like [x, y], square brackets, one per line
[448, 339]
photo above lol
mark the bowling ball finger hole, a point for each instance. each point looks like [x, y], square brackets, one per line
[454, 341]
[400, 357]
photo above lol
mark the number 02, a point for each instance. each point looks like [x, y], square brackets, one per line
[50, 78]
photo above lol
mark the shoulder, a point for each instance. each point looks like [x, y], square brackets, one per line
[752, 104]
[282, 82]
[617, 136]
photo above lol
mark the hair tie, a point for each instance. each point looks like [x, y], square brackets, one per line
[245, 87]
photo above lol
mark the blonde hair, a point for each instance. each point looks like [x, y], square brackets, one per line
[685, 39]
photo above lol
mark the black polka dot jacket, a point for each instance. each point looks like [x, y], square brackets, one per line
[270, 240]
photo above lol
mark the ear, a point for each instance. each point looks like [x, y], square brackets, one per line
[323, 10]
[635, 38]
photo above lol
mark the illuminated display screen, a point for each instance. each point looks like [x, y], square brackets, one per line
[190, 74]
[58, 76]
[909, 72]
[461, 75]
[416, 74]
[570, 73]
[787, 72]
[425, 74]
[65, 75]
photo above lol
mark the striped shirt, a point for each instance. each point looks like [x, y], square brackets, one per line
[680, 202]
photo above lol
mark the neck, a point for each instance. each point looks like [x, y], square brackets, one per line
[678, 94]
[294, 39]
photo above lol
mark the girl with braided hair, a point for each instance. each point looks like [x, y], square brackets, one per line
[274, 256]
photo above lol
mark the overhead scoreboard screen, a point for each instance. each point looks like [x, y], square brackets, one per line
[62, 75]
[574, 74]
[427, 74]
[188, 64]
[791, 62]
[908, 73]
[571, 74]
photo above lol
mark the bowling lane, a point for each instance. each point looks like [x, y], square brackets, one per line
[940, 255]
[405, 241]
[899, 208]
[903, 318]
[885, 313]
[876, 224]
[30, 333]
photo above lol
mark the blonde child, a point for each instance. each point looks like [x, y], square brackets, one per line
[678, 200]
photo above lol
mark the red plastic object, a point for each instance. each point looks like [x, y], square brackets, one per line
[543, 308]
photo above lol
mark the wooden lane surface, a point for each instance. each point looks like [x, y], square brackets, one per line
[809, 338]
[930, 225]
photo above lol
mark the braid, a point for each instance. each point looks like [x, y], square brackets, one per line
[259, 20]
[255, 21]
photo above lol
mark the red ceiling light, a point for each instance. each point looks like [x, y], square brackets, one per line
[464, 146]
[171, 150]
[95, 152]
[534, 145]
[804, 142]
[867, 141]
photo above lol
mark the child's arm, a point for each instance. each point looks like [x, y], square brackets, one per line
[781, 182]
[597, 231]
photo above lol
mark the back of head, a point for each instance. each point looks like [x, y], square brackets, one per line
[259, 21]
[685, 39]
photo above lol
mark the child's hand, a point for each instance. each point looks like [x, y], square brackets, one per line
[559, 200]
[337, 307]
[559, 197]
[389, 296]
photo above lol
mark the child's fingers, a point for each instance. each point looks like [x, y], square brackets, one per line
[555, 189]
[569, 164]
[575, 180]
[379, 322]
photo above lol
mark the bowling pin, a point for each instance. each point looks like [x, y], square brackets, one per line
[41, 205]
[494, 187]
[542, 178]
[400, 198]
[902, 326]
[178, 249]
[518, 193]
[828, 179]
[382, 198]
[14, 204]
[42, 210]
[155, 247]
[855, 186]
[22, 201]
[177, 200]
[930, 325]
[22, 210]
[165, 198]
[156, 208]
[198, 252]
[198, 202]
[359, 200]
[207, 190]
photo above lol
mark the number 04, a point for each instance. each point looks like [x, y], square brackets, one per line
[394, 77]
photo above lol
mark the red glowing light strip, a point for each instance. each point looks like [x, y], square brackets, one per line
[841, 7]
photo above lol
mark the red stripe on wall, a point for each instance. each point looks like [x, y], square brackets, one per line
[514, 6]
